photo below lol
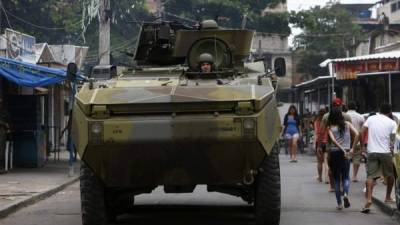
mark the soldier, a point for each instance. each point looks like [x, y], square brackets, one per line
[206, 62]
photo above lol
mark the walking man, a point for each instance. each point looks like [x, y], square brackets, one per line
[357, 120]
[381, 135]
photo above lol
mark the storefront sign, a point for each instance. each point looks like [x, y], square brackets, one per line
[349, 70]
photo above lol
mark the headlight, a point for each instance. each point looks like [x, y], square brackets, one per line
[96, 132]
[249, 124]
[96, 128]
[249, 127]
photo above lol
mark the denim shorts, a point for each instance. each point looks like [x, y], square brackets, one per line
[291, 136]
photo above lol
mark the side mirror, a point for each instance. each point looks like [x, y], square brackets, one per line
[280, 67]
[72, 70]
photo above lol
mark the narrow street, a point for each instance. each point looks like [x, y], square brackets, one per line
[304, 202]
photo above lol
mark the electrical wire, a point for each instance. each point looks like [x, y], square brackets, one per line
[5, 13]
[34, 25]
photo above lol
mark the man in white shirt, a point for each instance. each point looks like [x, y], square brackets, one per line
[381, 132]
[357, 120]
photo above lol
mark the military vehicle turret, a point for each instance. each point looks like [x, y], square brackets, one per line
[168, 123]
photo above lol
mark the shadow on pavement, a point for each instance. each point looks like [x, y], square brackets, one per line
[188, 215]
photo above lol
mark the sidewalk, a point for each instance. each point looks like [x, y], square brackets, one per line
[379, 197]
[24, 186]
[379, 192]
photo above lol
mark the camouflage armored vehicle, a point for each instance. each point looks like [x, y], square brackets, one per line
[167, 123]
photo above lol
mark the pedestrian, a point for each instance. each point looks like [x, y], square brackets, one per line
[381, 136]
[321, 139]
[292, 131]
[336, 103]
[357, 120]
[340, 133]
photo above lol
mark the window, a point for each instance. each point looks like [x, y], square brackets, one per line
[393, 7]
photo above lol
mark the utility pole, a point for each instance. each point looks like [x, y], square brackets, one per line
[158, 9]
[244, 21]
[104, 32]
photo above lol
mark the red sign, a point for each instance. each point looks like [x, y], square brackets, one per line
[349, 70]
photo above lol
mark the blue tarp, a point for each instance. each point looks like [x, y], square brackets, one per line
[31, 75]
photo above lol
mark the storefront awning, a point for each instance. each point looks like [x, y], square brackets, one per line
[31, 75]
[377, 56]
[349, 68]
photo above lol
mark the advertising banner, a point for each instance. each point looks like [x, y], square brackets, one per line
[20, 46]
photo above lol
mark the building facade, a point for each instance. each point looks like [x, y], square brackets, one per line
[390, 9]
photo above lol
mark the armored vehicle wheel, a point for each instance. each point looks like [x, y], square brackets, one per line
[267, 205]
[92, 199]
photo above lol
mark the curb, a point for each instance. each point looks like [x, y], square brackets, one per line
[387, 209]
[35, 198]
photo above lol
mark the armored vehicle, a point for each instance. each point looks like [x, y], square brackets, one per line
[169, 123]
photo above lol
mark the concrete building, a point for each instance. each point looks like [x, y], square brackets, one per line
[390, 9]
[272, 47]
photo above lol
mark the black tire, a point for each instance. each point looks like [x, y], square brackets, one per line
[267, 205]
[397, 192]
[92, 198]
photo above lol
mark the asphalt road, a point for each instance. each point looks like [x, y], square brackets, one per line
[304, 202]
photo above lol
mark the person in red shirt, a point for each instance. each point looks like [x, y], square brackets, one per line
[321, 139]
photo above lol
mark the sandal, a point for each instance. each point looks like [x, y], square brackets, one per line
[390, 201]
[346, 202]
[365, 210]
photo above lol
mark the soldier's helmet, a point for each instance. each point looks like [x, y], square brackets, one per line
[205, 58]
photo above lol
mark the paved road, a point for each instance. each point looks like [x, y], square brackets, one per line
[304, 202]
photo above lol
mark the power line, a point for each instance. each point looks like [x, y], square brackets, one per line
[180, 17]
[34, 25]
[5, 13]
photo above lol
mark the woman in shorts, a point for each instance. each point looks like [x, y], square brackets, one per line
[291, 131]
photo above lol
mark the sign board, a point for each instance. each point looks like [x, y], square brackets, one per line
[20, 46]
[349, 70]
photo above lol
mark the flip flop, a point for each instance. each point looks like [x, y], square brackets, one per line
[390, 201]
[365, 210]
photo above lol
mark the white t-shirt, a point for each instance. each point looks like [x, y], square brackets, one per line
[356, 119]
[379, 129]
